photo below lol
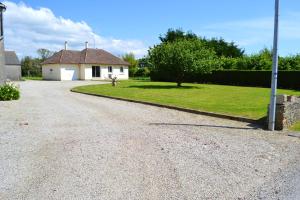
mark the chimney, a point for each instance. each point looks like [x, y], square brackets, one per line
[86, 45]
[66, 45]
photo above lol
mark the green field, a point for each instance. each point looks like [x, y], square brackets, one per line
[247, 102]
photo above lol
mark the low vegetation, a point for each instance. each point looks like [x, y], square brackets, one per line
[296, 127]
[248, 102]
[9, 92]
[34, 78]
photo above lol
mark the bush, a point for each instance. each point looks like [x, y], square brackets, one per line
[261, 61]
[142, 72]
[130, 58]
[9, 92]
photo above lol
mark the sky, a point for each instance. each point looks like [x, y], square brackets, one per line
[123, 26]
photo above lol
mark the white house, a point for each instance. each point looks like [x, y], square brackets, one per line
[12, 66]
[88, 64]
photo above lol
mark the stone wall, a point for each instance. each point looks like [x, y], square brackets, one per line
[287, 111]
[2, 67]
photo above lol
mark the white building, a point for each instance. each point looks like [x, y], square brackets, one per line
[88, 64]
[12, 66]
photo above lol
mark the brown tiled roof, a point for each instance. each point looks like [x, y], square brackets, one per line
[86, 56]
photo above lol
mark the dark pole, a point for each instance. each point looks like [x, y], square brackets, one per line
[272, 110]
[2, 53]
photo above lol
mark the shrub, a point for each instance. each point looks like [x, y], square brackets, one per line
[9, 92]
[130, 58]
[142, 72]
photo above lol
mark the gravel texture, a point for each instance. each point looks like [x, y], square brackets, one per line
[55, 144]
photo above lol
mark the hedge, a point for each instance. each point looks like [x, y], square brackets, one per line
[286, 79]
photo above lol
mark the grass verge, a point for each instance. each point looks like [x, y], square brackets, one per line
[249, 102]
[34, 78]
[296, 127]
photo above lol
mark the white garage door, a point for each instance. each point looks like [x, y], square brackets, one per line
[69, 73]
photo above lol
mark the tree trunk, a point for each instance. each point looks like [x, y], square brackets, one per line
[114, 82]
[178, 84]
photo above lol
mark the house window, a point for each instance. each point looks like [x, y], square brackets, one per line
[121, 69]
[96, 71]
[110, 69]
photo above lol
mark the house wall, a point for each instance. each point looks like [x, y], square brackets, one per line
[86, 72]
[69, 72]
[2, 61]
[13, 72]
[51, 72]
[115, 72]
[82, 72]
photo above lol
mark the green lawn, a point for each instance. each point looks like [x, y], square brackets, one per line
[247, 102]
[35, 78]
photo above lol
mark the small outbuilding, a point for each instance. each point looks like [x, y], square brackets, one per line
[88, 64]
[12, 66]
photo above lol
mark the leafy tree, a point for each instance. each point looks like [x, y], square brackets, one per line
[289, 63]
[223, 48]
[44, 54]
[143, 72]
[31, 66]
[220, 46]
[182, 57]
[130, 58]
[176, 34]
[144, 62]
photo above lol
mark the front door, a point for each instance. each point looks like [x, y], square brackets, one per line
[96, 72]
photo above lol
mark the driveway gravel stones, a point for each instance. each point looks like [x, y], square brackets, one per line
[55, 144]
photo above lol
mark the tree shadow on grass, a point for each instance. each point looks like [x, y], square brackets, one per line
[163, 87]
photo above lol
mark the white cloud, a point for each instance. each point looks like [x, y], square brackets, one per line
[28, 29]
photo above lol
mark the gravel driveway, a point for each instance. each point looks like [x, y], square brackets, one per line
[55, 144]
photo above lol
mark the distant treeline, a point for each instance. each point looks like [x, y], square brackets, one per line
[260, 61]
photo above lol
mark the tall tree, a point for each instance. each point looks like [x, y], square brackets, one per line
[182, 57]
[31, 66]
[223, 48]
[176, 34]
[44, 54]
[144, 62]
[130, 58]
[220, 46]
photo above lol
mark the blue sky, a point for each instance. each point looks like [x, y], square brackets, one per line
[123, 26]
